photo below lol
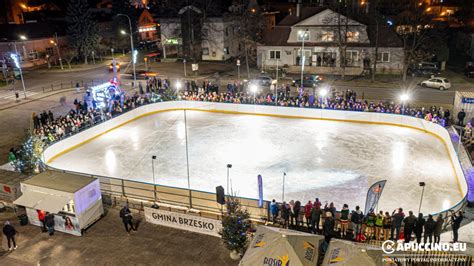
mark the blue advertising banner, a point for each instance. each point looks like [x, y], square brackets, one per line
[373, 195]
[467, 100]
[260, 191]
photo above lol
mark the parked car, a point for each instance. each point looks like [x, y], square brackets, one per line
[117, 65]
[469, 70]
[308, 81]
[436, 82]
[262, 81]
[424, 69]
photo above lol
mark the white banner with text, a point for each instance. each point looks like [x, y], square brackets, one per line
[183, 221]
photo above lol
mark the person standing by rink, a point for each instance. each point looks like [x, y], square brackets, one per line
[49, 220]
[409, 222]
[307, 213]
[127, 219]
[344, 220]
[430, 226]
[438, 228]
[41, 218]
[419, 224]
[10, 232]
[274, 210]
[356, 219]
[456, 223]
[397, 219]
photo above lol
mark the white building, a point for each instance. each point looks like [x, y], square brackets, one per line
[323, 31]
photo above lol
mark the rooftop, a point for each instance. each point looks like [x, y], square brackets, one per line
[60, 181]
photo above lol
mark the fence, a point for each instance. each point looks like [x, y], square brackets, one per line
[140, 194]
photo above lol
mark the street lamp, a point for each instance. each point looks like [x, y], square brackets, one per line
[178, 87]
[153, 158]
[17, 61]
[253, 88]
[55, 43]
[283, 192]
[422, 184]
[131, 45]
[228, 169]
[323, 92]
[303, 35]
[404, 98]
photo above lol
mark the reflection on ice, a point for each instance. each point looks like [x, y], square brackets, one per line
[334, 161]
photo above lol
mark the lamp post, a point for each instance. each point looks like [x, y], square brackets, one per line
[228, 170]
[178, 87]
[422, 184]
[323, 92]
[184, 66]
[56, 43]
[404, 98]
[17, 60]
[276, 85]
[303, 35]
[283, 192]
[253, 88]
[131, 45]
[153, 158]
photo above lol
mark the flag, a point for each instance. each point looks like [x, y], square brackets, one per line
[260, 191]
[373, 195]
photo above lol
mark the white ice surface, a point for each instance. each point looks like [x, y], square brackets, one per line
[334, 161]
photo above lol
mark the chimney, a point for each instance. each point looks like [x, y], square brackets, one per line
[298, 9]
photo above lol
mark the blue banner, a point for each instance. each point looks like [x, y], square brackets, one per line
[260, 191]
[467, 100]
[373, 196]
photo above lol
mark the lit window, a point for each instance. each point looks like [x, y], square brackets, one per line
[327, 36]
[352, 36]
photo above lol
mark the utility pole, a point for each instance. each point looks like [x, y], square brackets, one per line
[59, 53]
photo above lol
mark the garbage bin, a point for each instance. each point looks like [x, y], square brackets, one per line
[23, 219]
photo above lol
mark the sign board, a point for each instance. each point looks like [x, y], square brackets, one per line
[195, 67]
[238, 62]
[183, 221]
[467, 100]
[63, 223]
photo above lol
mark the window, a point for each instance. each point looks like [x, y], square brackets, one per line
[303, 35]
[383, 57]
[226, 50]
[205, 51]
[275, 55]
[352, 58]
[327, 36]
[352, 36]
[49, 50]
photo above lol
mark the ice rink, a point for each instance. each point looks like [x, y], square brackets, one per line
[334, 161]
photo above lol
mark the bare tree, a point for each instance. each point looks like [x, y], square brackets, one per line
[413, 26]
[69, 54]
[340, 26]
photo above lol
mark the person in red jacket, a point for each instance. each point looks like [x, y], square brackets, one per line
[41, 217]
[307, 213]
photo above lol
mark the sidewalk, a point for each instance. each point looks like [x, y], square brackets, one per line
[107, 243]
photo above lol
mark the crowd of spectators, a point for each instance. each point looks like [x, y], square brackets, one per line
[86, 113]
[357, 226]
[336, 100]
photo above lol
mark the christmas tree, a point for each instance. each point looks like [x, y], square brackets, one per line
[28, 156]
[235, 225]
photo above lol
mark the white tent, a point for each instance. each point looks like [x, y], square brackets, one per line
[342, 252]
[75, 200]
[277, 246]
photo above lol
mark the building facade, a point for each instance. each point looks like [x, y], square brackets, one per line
[316, 36]
[218, 40]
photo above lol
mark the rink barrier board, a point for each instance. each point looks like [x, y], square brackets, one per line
[86, 136]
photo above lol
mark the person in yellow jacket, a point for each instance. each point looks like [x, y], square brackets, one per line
[378, 225]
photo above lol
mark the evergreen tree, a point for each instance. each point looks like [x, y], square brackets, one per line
[82, 28]
[235, 225]
[28, 156]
